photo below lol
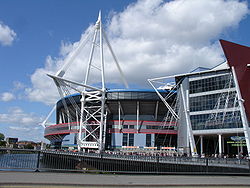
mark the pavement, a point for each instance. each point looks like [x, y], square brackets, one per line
[53, 179]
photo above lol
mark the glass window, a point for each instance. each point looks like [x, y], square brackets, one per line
[121, 95]
[214, 101]
[131, 140]
[125, 139]
[148, 140]
[134, 95]
[211, 84]
[220, 120]
[127, 95]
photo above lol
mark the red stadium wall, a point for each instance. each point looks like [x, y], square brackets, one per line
[238, 56]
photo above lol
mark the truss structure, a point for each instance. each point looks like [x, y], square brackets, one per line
[230, 101]
[229, 107]
[173, 110]
[242, 112]
[91, 114]
[226, 102]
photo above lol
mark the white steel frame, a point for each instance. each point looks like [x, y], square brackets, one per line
[151, 81]
[242, 112]
[245, 123]
[90, 116]
[188, 121]
[171, 110]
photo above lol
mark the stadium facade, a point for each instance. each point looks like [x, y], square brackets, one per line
[203, 112]
[209, 100]
[135, 119]
[214, 105]
[213, 112]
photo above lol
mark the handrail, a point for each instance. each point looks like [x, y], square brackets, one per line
[192, 162]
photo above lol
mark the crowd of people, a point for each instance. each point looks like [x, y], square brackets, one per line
[173, 153]
[162, 153]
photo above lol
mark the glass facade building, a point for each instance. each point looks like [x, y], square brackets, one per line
[213, 101]
[213, 110]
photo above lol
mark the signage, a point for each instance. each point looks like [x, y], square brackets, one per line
[237, 141]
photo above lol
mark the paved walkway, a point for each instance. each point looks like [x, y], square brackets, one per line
[19, 179]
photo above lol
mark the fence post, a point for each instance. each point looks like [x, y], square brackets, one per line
[38, 161]
[206, 165]
[157, 161]
[249, 164]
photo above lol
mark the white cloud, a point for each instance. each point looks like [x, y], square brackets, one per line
[17, 116]
[19, 128]
[44, 89]
[152, 39]
[21, 124]
[6, 97]
[18, 85]
[7, 35]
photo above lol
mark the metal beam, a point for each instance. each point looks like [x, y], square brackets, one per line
[76, 83]
[242, 112]
[116, 61]
[137, 114]
[201, 144]
[156, 110]
[164, 101]
[189, 126]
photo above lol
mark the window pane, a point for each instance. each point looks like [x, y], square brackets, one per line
[131, 140]
[125, 139]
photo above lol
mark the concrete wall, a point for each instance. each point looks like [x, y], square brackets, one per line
[116, 139]
[139, 140]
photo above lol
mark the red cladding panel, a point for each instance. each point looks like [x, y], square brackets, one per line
[238, 56]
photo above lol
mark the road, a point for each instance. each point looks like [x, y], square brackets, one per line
[52, 179]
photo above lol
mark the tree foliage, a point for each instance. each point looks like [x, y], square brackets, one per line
[28, 146]
[2, 136]
[2, 143]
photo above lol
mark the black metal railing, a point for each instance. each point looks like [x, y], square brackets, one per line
[19, 159]
[122, 163]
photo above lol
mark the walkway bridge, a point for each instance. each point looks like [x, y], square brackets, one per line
[104, 162]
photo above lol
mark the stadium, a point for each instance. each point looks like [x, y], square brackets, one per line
[203, 112]
[135, 119]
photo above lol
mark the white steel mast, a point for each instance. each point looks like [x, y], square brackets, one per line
[93, 102]
[92, 112]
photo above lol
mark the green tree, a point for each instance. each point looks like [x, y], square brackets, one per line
[2, 136]
[28, 146]
[2, 143]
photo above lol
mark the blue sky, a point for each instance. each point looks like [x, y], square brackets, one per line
[150, 38]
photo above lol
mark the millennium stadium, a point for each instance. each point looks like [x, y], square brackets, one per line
[203, 112]
[134, 120]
